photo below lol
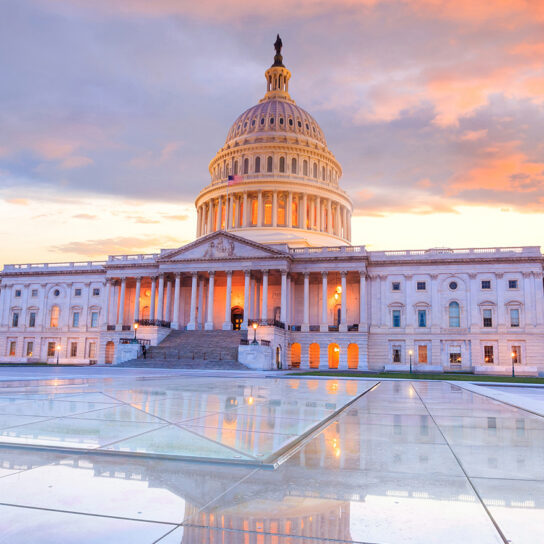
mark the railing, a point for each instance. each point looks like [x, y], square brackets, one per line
[266, 323]
[139, 258]
[110, 328]
[295, 328]
[246, 342]
[334, 328]
[153, 323]
[446, 252]
[141, 341]
[314, 328]
[74, 265]
[265, 342]
[337, 250]
[353, 328]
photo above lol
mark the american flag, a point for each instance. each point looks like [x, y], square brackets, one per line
[234, 179]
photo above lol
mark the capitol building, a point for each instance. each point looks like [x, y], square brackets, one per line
[273, 260]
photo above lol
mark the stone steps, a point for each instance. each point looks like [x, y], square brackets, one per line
[196, 364]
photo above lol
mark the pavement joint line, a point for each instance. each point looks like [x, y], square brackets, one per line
[486, 509]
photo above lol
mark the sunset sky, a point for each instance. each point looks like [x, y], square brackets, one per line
[110, 111]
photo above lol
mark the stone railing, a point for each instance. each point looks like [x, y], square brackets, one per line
[456, 253]
[55, 267]
[153, 323]
[337, 251]
[144, 258]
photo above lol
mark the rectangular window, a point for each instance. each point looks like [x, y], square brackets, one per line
[29, 349]
[92, 350]
[94, 319]
[422, 354]
[488, 318]
[396, 318]
[422, 318]
[512, 284]
[12, 347]
[395, 286]
[51, 349]
[75, 319]
[17, 293]
[34, 292]
[32, 319]
[486, 284]
[516, 355]
[96, 292]
[15, 319]
[455, 355]
[77, 292]
[396, 354]
[514, 317]
[421, 286]
[488, 354]
[73, 349]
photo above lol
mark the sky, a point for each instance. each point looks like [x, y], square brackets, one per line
[110, 112]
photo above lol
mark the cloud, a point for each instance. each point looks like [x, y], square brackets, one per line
[85, 216]
[17, 201]
[180, 217]
[75, 162]
[142, 220]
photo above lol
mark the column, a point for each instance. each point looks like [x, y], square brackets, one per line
[473, 317]
[244, 215]
[344, 231]
[198, 217]
[337, 223]
[318, 214]
[539, 295]
[329, 216]
[343, 306]
[324, 325]
[304, 211]
[260, 209]
[121, 310]
[137, 299]
[289, 209]
[529, 300]
[409, 288]
[210, 216]
[160, 301]
[253, 302]
[219, 212]
[275, 208]
[501, 310]
[247, 275]
[152, 301]
[349, 227]
[312, 214]
[167, 312]
[305, 327]
[191, 326]
[108, 304]
[209, 320]
[227, 325]
[362, 302]
[283, 296]
[177, 286]
[264, 303]
[200, 307]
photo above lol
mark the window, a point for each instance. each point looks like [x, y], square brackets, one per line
[293, 166]
[315, 170]
[512, 284]
[34, 292]
[92, 350]
[15, 319]
[486, 284]
[271, 120]
[455, 355]
[422, 318]
[488, 354]
[514, 317]
[235, 169]
[396, 318]
[421, 286]
[12, 347]
[56, 292]
[17, 293]
[516, 355]
[54, 320]
[77, 292]
[454, 315]
[305, 168]
[269, 164]
[453, 285]
[96, 292]
[396, 354]
[488, 318]
[29, 349]
[94, 320]
[422, 354]
[51, 349]
[282, 164]
[73, 349]
[75, 319]
[257, 165]
[32, 319]
[395, 286]
[246, 166]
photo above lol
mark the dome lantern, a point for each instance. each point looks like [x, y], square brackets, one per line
[277, 77]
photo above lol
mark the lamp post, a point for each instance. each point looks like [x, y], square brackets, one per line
[57, 348]
[410, 353]
[254, 325]
[513, 355]
[136, 325]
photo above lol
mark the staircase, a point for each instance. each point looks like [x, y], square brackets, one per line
[217, 350]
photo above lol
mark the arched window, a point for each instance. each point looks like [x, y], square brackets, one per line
[305, 167]
[353, 356]
[235, 168]
[323, 173]
[293, 166]
[269, 164]
[315, 170]
[295, 355]
[454, 314]
[281, 210]
[282, 164]
[314, 355]
[334, 355]
[268, 211]
[54, 319]
[257, 165]
[225, 172]
[246, 166]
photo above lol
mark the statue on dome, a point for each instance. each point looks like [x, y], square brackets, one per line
[278, 59]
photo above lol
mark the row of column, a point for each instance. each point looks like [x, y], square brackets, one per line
[314, 213]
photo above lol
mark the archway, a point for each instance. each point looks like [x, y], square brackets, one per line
[334, 355]
[145, 312]
[353, 356]
[236, 317]
[295, 355]
[314, 355]
[279, 363]
[110, 352]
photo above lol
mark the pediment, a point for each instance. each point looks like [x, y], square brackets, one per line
[220, 245]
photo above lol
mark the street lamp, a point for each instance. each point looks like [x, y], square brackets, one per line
[57, 347]
[410, 353]
[254, 325]
[135, 329]
[513, 354]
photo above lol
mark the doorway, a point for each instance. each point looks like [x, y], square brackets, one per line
[110, 351]
[236, 317]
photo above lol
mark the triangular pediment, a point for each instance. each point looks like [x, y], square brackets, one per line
[220, 245]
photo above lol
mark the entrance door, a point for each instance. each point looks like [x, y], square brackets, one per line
[110, 351]
[236, 317]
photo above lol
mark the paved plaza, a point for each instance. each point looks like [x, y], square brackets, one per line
[136, 456]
